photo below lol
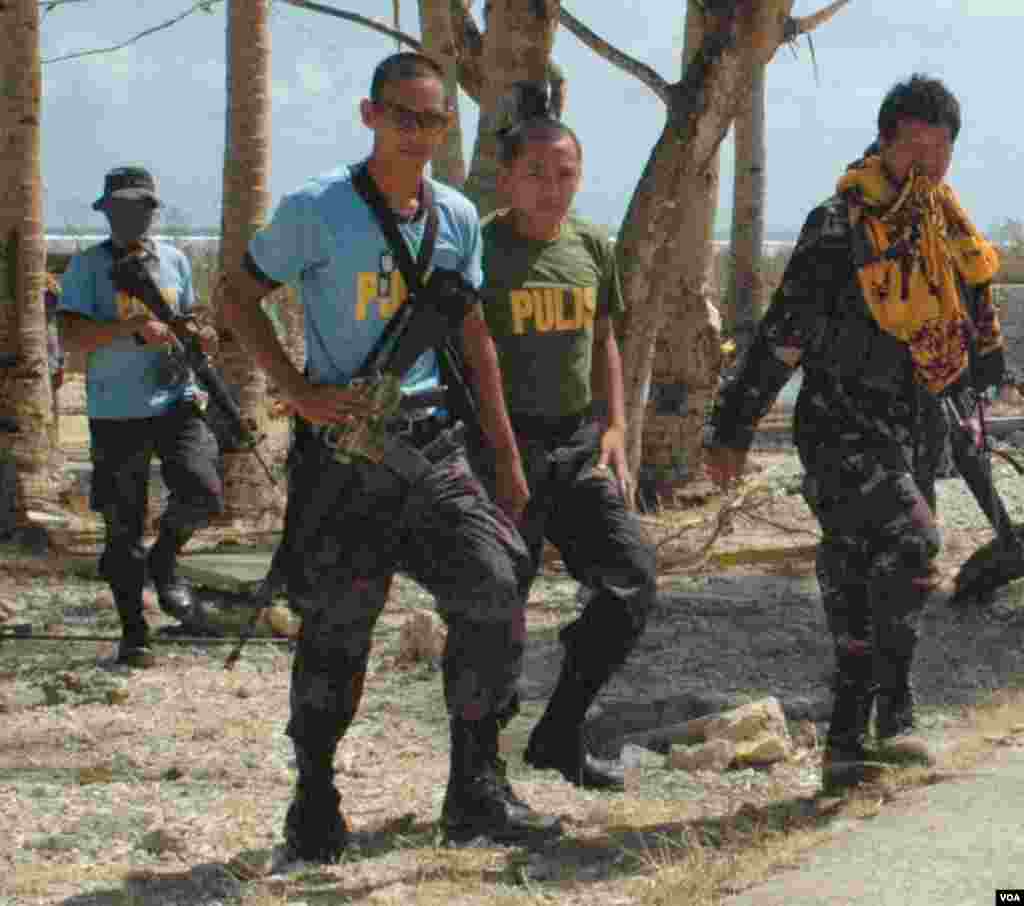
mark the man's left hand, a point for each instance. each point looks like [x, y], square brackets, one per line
[613, 455]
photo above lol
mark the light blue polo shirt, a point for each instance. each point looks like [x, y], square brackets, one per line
[324, 239]
[124, 379]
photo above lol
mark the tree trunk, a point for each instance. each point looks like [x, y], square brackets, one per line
[245, 205]
[516, 47]
[746, 281]
[672, 209]
[449, 164]
[671, 349]
[23, 331]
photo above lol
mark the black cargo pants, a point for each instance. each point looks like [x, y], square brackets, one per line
[350, 527]
[582, 512]
[122, 453]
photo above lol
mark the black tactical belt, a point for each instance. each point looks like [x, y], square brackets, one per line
[417, 426]
[401, 455]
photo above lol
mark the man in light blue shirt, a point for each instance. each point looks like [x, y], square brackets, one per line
[362, 520]
[141, 403]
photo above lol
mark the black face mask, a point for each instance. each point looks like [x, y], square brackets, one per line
[129, 221]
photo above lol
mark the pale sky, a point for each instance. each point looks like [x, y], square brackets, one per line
[161, 101]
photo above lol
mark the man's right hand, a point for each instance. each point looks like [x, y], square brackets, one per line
[329, 404]
[724, 465]
[152, 331]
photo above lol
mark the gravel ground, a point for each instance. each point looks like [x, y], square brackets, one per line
[153, 788]
[742, 633]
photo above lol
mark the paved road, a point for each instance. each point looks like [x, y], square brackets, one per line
[952, 844]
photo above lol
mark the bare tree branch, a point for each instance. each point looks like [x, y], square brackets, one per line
[469, 49]
[200, 6]
[802, 25]
[615, 56]
[372, 24]
[468, 38]
[48, 6]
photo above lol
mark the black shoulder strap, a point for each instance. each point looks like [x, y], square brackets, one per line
[413, 272]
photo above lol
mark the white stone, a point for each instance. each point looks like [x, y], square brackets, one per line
[715, 755]
[634, 756]
[764, 749]
[748, 722]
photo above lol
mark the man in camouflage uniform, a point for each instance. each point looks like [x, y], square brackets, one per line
[886, 304]
[352, 520]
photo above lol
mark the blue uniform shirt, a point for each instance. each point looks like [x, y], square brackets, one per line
[124, 379]
[326, 240]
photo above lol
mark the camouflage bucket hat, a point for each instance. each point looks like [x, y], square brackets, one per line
[127, 182]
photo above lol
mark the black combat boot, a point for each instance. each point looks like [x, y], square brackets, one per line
[479, 801]
[895, 726]
[557, 742]
[126, 574]
[173, 592]
[314, 828]
[844, 761]
[134, 649]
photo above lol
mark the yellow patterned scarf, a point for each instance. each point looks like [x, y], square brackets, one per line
[922, 240]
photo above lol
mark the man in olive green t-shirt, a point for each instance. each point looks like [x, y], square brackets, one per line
[551, 295]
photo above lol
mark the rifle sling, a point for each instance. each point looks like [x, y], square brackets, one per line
[157, 306]
[413, 271]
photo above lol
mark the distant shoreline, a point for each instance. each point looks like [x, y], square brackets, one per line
[74, 241]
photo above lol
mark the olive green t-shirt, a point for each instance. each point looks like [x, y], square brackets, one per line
[542, 299]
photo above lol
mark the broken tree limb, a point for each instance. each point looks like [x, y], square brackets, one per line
[613, 55]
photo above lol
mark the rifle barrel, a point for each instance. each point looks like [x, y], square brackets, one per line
[23, 633]
[975, 467]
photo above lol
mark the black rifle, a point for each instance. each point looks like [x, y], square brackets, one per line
[438, 301]
[1001, 560]
[25, 632]
[136, 273]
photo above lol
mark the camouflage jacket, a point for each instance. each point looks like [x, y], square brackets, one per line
[858, 386]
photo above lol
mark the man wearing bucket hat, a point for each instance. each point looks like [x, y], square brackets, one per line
[140, 403]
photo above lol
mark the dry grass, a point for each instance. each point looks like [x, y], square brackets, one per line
[663, 857]
[220, 728]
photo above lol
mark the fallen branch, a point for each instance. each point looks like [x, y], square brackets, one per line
[746, 501]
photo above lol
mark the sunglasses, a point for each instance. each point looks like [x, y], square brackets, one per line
[407, 119]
